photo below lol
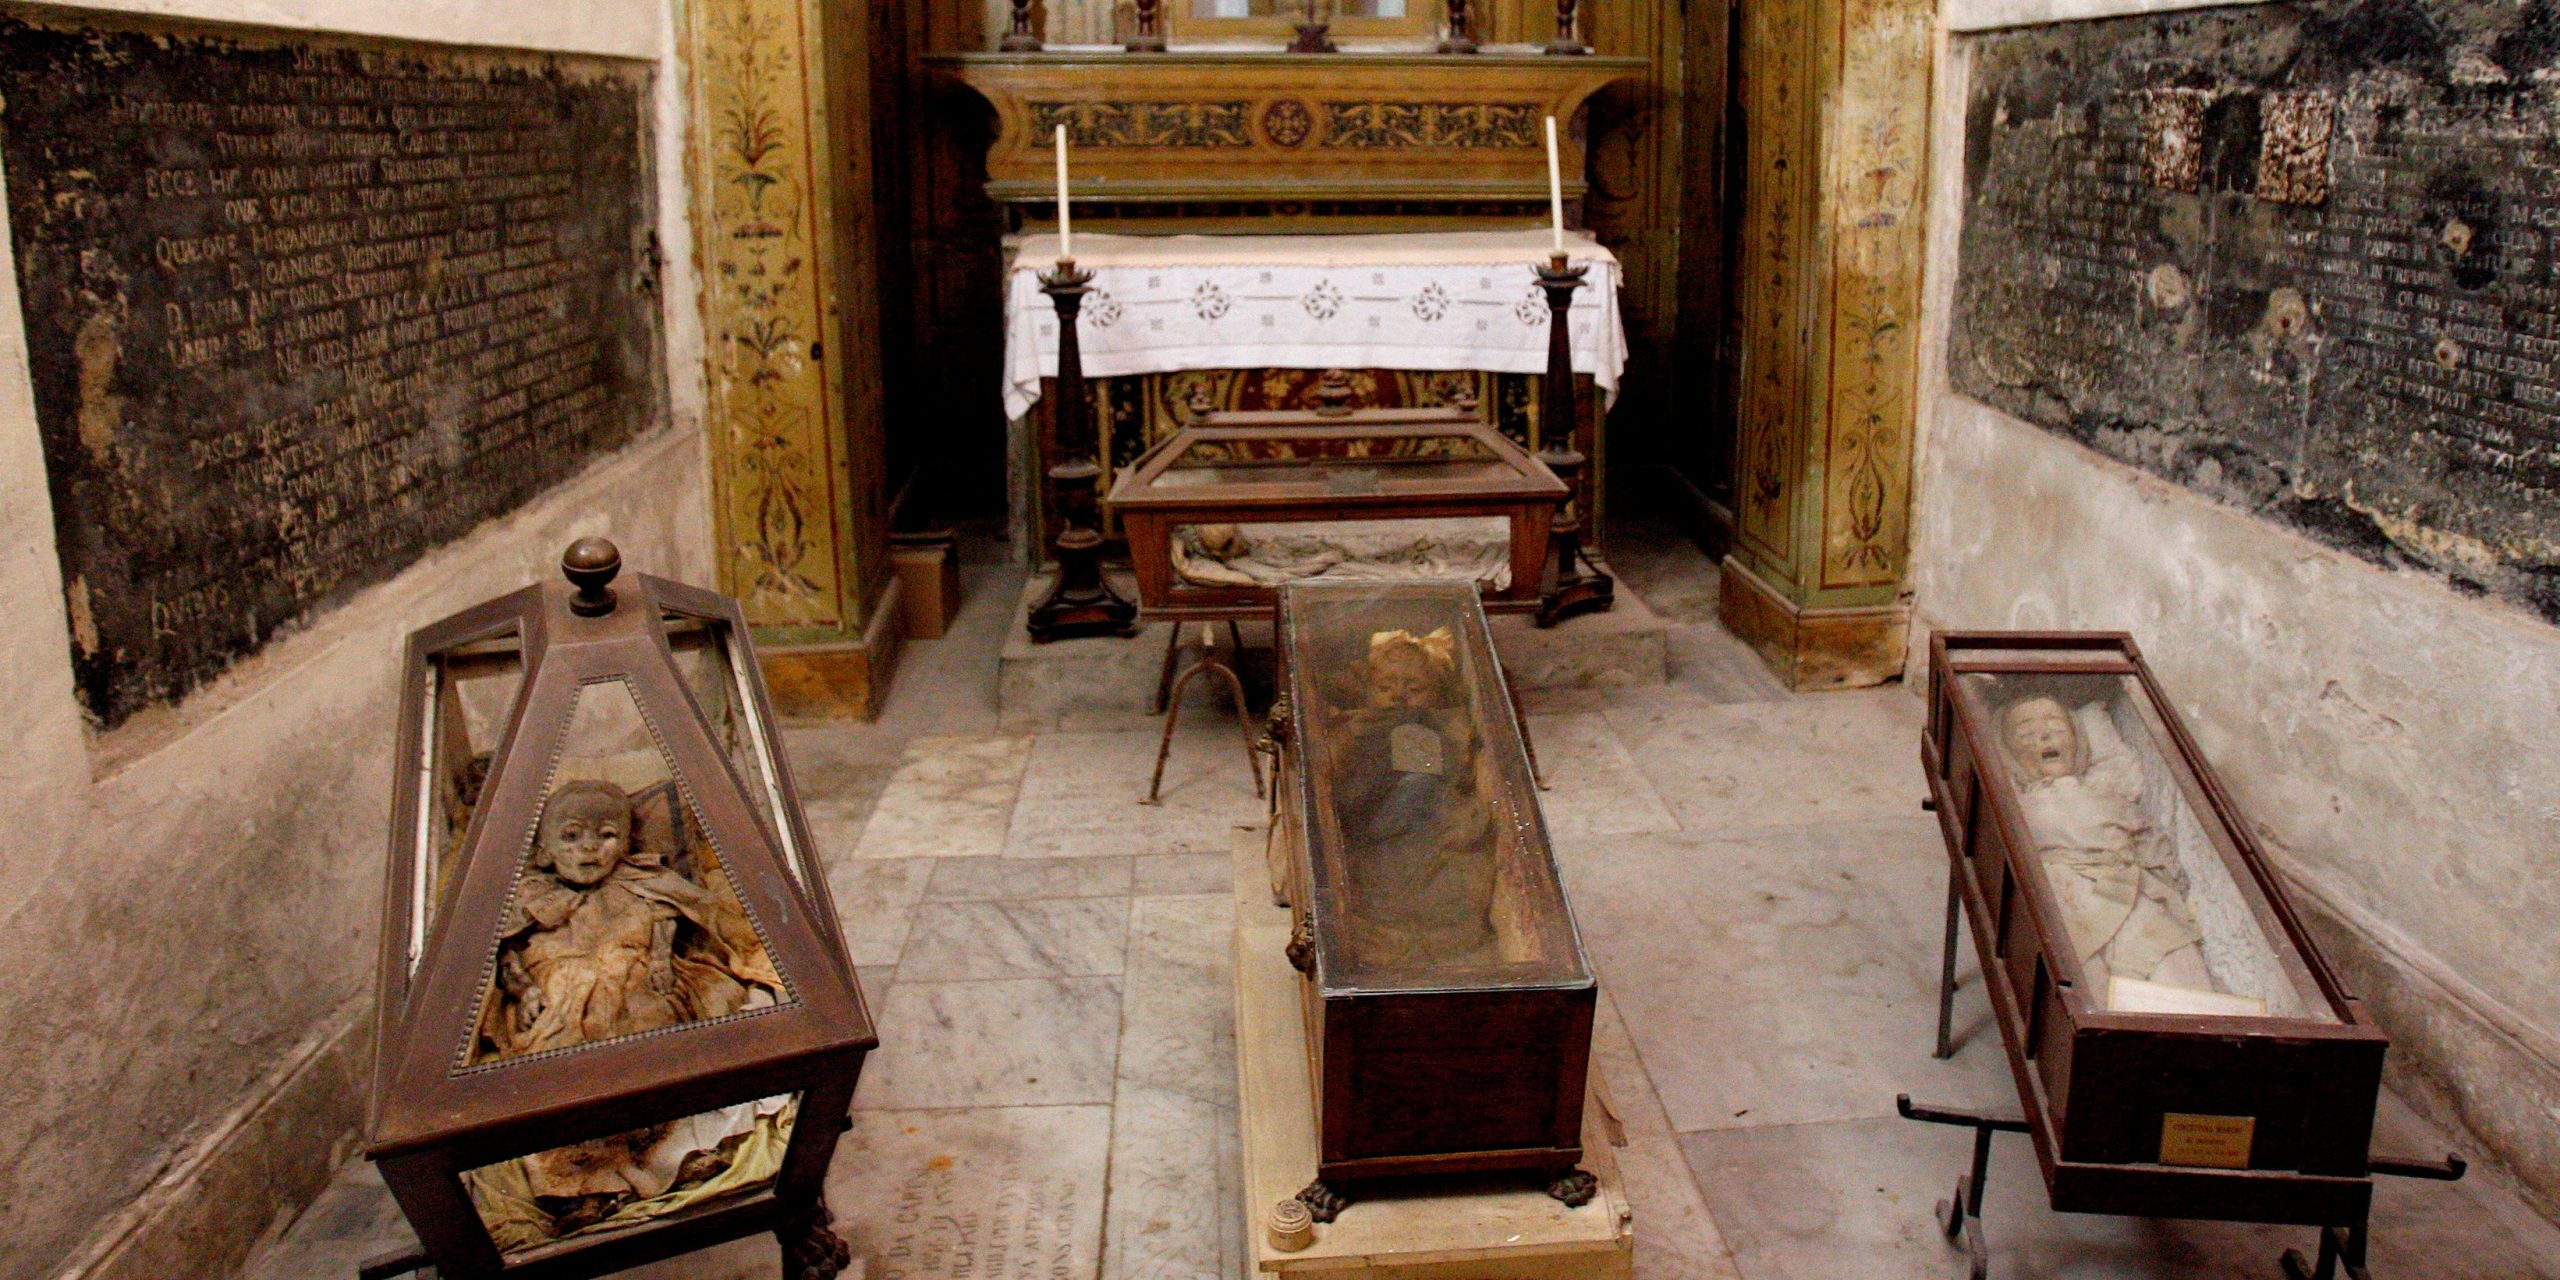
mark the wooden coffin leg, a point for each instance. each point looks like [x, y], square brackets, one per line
[1947, 965]
[399, 1262]
[1574, 1187]
[811, 1249]
[1323, 1200]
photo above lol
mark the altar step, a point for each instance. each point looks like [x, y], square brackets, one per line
[1100, 681]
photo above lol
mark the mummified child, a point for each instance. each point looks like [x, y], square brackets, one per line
[604, 940]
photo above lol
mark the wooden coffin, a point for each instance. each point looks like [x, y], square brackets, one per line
[1448, 999]
[1357, 474]
[2181, 1048]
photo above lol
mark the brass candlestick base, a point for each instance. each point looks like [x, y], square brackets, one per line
[1080, 602]
[1568, 586]
[1149, 37]
[1462, 35]
[1020, 38]
[1568, 30]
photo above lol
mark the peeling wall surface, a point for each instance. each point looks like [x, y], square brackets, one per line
[2395, 741]
[2300, 257]
[188, 901]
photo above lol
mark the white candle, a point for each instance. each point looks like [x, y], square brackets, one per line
[1065, 249]
[1555, 182]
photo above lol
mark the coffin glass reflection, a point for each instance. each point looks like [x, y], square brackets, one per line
[2181, 1046]
[611, 978]
[1450, 1000]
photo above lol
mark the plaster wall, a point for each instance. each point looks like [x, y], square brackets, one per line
[2395, 743]
[187, 904]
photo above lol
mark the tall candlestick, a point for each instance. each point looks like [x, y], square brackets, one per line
[1065, 243]
[1555, 183]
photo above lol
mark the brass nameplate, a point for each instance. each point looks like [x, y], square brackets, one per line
[2207, 1142]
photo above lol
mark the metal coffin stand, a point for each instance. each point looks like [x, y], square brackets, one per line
[472, 786]
[1424, 1057]
[2231, 1116]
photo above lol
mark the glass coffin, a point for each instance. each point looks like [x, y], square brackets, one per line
[2180, 1046]
[1448, 1000]
[1221, 512]
[611, 983]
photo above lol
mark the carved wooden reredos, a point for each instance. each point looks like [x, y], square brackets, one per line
[1378, 140]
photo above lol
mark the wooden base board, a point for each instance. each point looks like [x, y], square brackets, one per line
[1811, 649]
[1412, 1231]
[845, 679]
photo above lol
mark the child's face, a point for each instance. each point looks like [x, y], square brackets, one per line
[2043, 739]
[586, 836]
[1401, 677]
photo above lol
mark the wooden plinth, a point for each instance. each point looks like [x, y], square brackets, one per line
[1813, 648]
[1422, 1230]
[840, 680]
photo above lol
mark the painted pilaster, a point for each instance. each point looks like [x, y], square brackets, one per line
[781, 176]
[1837, 108]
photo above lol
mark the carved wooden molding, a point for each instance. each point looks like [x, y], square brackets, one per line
[1195, 126]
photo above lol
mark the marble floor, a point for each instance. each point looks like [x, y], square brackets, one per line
[1048, 964]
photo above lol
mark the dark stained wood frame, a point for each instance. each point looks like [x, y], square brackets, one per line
[431, 1118]
[2094, 1084]
[1149, 514]
[1377, 1059]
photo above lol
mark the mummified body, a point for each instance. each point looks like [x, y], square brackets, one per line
[1413, 820]
[604, 940]
[2123, 893]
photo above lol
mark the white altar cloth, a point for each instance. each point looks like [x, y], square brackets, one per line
[1433, 300]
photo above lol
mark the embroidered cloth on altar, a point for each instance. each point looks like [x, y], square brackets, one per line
[1433, 300]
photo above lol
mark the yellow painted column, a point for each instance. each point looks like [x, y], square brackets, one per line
[1836, 109]
[781, 178]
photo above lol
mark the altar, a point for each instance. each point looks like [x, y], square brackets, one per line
[1176, 326]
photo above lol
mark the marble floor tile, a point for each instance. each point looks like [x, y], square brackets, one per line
[1765, 980]
[1001, 1193]
[1028, 938]
[1853, 1200]
[973, 879]
[1657, 561]
[1081, 792]
[1178, 1004]
[1177, 1187]
[1165, 874]
[1708, 663]
[951, 798]
[875, 902]
[1749, 764]
[354, 1220]
[1675, 1237]
[1593, 785]
[1011, 1042]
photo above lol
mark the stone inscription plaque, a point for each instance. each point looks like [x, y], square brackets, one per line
[2303, 257]
[297, 313]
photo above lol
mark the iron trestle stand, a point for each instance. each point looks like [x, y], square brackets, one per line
[1080, 602]
[1169, 689]
[1569, 586]
[1960, 1214]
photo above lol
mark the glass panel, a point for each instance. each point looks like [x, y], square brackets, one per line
[1295, 8]
[470, 691]
[1470, 548]
[622, 1181]
[1431, 864]
[623, 920]
[2155, 905]
[705, 661]
[1344, 464]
